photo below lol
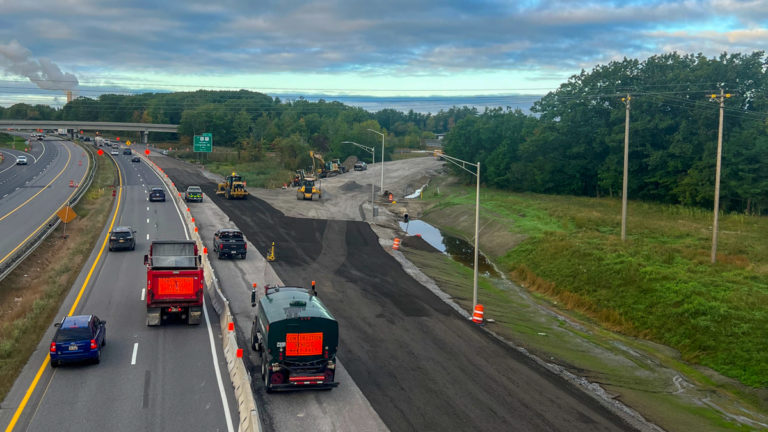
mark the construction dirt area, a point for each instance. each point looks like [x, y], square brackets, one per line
[390, 320]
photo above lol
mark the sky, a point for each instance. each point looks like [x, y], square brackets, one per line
[506, 51]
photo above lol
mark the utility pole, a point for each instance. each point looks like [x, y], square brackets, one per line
[717, 172]
[626, 173]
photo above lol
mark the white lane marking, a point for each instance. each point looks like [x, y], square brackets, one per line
[135, 350]
[147, 208]
[143, 292]
[147, 236]
[218, 371]
[147, 220]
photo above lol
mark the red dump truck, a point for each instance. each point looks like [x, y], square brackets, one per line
[174, 282]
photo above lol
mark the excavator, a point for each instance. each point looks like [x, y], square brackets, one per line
[320, 169]
[233, 187]
[309, 187]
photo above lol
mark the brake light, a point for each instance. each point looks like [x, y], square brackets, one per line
[93, 344]
[53, 347]
[245, 246]
[221, 245]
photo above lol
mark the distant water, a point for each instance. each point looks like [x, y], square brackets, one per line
[426, 104]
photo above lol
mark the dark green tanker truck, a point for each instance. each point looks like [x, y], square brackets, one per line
[297, 338]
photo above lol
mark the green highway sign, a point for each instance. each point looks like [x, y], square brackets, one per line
[203, 143]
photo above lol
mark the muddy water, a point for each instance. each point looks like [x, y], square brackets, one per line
[458, 249]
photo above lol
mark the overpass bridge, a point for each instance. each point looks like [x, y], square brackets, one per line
[144, 128]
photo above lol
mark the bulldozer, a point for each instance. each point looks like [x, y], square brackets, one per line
[233, 187]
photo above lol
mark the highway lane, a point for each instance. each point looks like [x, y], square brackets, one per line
[170, 383]
[420, 364]
[31, 194]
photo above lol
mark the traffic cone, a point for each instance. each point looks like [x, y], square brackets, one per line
[396, 244]
[71, 183]
[391, 197]
[477, 315]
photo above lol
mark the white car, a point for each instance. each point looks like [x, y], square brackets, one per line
[114, 152]
[21, 160]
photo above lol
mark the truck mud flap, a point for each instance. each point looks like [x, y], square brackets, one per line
[194, 316]
[153, 316]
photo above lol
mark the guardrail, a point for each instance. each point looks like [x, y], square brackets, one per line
[238, 374]
[53, 222]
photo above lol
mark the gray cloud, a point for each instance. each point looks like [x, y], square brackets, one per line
[17, 60]
[397, 37]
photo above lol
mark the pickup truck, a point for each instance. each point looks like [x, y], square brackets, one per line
[228, 242]
[193, 193]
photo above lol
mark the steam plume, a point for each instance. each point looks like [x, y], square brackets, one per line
[17, 60]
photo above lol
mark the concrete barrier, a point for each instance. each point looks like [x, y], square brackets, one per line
[241, 380]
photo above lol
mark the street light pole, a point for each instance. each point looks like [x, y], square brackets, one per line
[382, 158]
[463, 165]
[371, 150]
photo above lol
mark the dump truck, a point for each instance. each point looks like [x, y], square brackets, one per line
[309, 189]
[297, 338]
[233, 187]
[175, 281]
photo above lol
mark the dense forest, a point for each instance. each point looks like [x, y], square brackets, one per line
[573, 143]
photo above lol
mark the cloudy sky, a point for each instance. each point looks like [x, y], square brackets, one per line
[414, 48]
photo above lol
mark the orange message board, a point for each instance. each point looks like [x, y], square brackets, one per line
[303, 344]
[175, 285]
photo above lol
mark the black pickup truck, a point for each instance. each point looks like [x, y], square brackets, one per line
[228, 242]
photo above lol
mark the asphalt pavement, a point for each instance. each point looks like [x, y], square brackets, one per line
[418, 363]
[30, 194]
[150, 378]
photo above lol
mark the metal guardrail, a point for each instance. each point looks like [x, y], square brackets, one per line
[53, 222]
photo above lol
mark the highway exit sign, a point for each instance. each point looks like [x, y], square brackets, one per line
[203, 143]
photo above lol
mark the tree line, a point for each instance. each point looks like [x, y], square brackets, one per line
[256, 124]
[573, 143]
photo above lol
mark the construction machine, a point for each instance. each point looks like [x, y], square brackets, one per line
[298, 177]
[233, 187]
[320, 170]
[309, 189]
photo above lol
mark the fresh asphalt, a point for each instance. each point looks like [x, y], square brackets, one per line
[149, 378]
[419, 364]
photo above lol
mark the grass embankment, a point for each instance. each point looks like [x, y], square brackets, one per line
[266, 173]
[657, 285]
[32, 294]
[12, 142]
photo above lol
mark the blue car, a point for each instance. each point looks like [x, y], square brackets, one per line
[78, 338]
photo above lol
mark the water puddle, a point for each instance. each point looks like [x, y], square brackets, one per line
[458, 249]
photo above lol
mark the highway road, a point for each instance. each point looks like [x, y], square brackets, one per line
[419, 364]
[166, 378]
[30, 194]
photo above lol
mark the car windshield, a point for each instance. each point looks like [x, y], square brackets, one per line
[157, 191]
[193, 190]
[73, 334]
[231, 235]
[122, 234]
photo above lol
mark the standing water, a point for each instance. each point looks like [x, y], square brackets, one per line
[458, 249]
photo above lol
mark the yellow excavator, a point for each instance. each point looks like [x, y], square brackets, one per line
[309, 188]
[233, 187]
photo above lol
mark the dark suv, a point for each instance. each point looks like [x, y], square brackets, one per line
[78, 338]
[127, 151]
[157, 194]
[122, 237]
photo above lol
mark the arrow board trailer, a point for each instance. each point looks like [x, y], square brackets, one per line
[297, 338]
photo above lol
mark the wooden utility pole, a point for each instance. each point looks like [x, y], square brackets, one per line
[717, 173]
[626, 170]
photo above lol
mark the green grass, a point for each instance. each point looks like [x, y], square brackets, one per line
[658, 285]
[12, 142]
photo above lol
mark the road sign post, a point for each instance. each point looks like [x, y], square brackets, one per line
[203, 143]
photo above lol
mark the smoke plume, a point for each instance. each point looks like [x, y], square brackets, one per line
[17, 60]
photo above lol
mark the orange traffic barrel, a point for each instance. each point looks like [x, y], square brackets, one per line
[71, 183]
[391, 197]
[396, 244]
[477, 315]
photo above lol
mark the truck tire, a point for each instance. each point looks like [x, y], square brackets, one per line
[265, 374]
[243, 255]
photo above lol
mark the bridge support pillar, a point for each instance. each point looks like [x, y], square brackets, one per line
[144, 137]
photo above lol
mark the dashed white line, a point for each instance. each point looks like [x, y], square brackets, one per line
[135, 350]
[143, 292]
[147, 236]
[147, 220]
